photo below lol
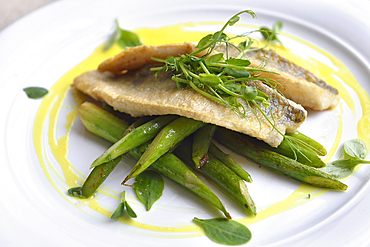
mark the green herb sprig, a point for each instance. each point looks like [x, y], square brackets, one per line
[121, 209]
[354, 153]
[223, 78]
[124, 38]
[216, 77]
[271, 35]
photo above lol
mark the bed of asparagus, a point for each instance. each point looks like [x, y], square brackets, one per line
[179, 147]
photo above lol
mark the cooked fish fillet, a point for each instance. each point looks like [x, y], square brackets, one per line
[299, 84]
[139, 93]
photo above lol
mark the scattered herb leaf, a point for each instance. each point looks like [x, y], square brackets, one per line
[35, 92]
[124, 38]
[130, 211]
[119, 211]
[355, 151]
[355, 148]
[148, 187]
[225, 231]
[271, 35]
[343, 167]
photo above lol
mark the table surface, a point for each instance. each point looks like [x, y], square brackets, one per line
[12, 10]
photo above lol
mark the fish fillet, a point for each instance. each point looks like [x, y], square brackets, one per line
[139, 93]
[299, 84]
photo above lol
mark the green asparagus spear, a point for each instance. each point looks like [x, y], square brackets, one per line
[227, 160]
[230, 183]
[133, 139]
[239, 144]
[224, 177]
[166, 139]
[104, 124]
[172, 167]
[169, 165]
[202, 139]
[309, 143]
[294, 151]
[95, 118]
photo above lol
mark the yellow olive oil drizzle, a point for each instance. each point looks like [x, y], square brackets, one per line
[51, 105]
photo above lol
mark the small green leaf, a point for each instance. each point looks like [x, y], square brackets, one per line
[119, 211]
[249, 93]
[234, 20]
[130, 211]
[355, 148]
[342, 168]
[128, 39]
[123, 37]
[238, 62]
[225, 231]
[237, 73]
[233, 87]
[148, 187]
[278, 26]
[206, 40]
[211, 80]
[215, 58]
[271, 34]
[221, 36]
[35, 92]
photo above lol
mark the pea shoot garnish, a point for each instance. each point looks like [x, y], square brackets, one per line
[227, 79]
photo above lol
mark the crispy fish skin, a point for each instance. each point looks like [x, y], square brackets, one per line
[299, 84]
[136, 57]
[139, 93]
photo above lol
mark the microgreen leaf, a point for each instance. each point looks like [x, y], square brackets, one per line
[128, 39]
[121, 208]
[233, 87]
[238, 62]
[219, 78]
[118, 212]
[249, 93]
[215, 58]
[356, 151]
[225, 231]
[271, 34]
[124, 38]
[130, 211]
[209, 79]
[148, 187]
[35, 92]
[234, 20]
[343, 167]
[205, 41]
[355, 148]
[237, 73]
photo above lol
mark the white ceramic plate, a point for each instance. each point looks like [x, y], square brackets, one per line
[42, 47]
